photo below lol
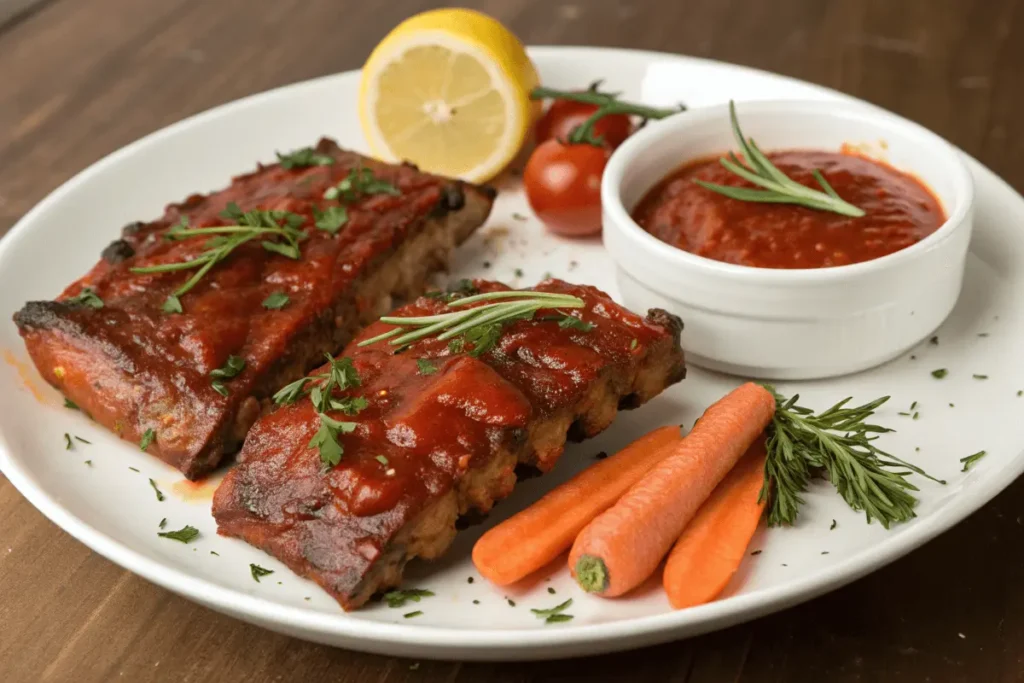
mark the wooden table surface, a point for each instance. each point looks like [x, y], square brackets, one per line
[81, 78]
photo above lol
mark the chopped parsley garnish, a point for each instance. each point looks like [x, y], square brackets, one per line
[980, 376]
[276, 301]
[518, 217]
[341, 375]
[133, 469]
[71, 405]
[551, 590]
[934, 341]
[554, 614]
[163, 523]
[476, 602]
[756, 552]
[913, 405]
[326, 439]
[214, 552]
[258, 571]
[632, 344]
[68, 443]
[983, 334]
[971, 459]
[360, 182]
[89, 463]
[230, 369]
[425, 367]
[940, 373]
[569, 322]
[519, 272]
[833, 526]
[78, 438]
[511, 602]
[381, 459]
[463, 287]
[303, 158]
[148, 437]
[331, 219]
[400, 597]
[185, 534]
[172, 304]
[87, 297]
[410, 615]
[159, 493]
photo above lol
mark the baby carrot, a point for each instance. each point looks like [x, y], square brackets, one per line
[715, 541]
[623, 546]
[527, 541]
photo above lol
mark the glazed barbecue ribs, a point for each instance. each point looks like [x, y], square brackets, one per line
[440, 436]
[187, 384]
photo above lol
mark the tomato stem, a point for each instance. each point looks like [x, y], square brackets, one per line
[607, 103]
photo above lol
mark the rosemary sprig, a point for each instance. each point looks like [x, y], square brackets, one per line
[779, 188]
[607, 103]
[839, 445]
[248, 226]
[480, 326]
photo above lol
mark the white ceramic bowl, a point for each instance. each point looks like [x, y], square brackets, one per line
[791, 324]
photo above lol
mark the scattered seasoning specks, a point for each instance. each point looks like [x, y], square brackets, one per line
[954, 406]
[834, 525]
[519, 272]
[940, 373]
[476, 602]
[89, 463]
[469, 579]
[133, 469]
[983, 334]
[934, 341]
[511, 602]
[915, 416]
[756, 552]
[980, 376]
[824, 552]
[78, 438]
[551, 590]
[68, 443]
[410, 615]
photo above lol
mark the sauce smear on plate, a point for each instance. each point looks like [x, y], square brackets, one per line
[900, 211]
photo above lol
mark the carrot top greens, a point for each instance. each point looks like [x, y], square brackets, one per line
[837, 444]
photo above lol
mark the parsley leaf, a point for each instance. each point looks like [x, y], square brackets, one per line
[71, 405]
[569, 322]
[163, 523]
[258, 571]
[148, 437]
[303, 157]
[557, 609]
[87, 297]
[276, 301]
[940, 373]
[410, 615]
[172, 305]
[283, 248]
[350, 405]
[331, 219]
[381, 459]
[400, 597]
[232, 366]
[185, 534]
[326, 439]
[425, 367]
[360, 182]
[159, 493]
[69, 445]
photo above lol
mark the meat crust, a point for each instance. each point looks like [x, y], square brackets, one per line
[440, 438]
[135, 368]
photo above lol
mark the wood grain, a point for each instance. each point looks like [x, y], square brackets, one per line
[81, 78]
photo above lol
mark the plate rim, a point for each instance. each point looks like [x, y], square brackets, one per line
[534, 642]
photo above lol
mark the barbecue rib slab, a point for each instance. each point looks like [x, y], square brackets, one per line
[438, 439]
[135, 368]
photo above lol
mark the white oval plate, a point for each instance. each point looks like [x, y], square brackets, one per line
[112, 509]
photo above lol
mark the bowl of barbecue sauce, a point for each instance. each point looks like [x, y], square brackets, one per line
[797, 240]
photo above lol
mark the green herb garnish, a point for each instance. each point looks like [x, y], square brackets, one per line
[69, 404]
[838, 442]
[399, 597]
[89, 463]
[163, 523]
[172, 304]
[481, 326]
[326, 439]
[78, 438]
[410, 615]
[833, 525]
[148, 437]
[184, 534]
[425, 367]
[276, 301]
[980, 376]
[331, 219]
[303, 157]
[87, 297]
[247, 226]
[940, 373]
[569, 322]
[159, 493]
[381, 459]
[230, 369]
[69, 444]
[778, 187]
[971, 459]
[360, 182]
[258, 571]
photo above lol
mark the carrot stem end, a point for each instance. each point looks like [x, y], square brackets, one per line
[592, 574]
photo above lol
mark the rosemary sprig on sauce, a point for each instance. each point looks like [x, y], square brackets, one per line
[839, 445]
[778, 187]
[224, 239]
[480, 326]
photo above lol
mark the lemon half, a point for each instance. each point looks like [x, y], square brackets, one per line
[449, 90]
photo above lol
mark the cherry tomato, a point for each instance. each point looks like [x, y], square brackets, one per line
[564, 115]
[563, 186]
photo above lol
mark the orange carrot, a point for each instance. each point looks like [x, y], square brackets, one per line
[527, 541]
[715, 541]
[623, 546]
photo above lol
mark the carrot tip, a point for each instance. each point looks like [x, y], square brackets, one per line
[592, 574]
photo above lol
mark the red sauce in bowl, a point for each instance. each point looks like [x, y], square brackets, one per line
[900, 211]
